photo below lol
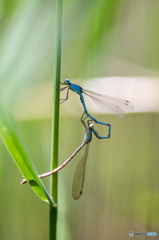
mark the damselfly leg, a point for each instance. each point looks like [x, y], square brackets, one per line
[88, 123]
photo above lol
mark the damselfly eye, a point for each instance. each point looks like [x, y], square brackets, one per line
[91, 125]
[66, 81]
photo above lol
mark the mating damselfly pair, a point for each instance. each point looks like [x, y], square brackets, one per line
[117, 106]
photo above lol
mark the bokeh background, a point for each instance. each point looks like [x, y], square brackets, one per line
[108, 46]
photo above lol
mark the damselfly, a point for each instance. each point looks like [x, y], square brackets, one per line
[115, 105]
[78, 181]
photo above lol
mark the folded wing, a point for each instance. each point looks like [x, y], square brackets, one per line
[78, 180]
[115, 105]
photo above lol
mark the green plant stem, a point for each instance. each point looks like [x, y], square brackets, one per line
[55, 118]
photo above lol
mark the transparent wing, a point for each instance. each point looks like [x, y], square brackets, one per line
[78, 180]
[114, 105]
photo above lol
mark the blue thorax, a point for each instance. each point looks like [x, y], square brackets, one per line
[75, 88]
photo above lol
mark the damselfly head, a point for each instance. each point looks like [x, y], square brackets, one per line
[91, 125]
[66, 81]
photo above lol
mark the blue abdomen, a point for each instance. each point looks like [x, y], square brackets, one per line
[75, 88]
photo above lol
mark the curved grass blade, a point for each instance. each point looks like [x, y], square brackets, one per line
[78, 181]
[112, 104]
[14, 144]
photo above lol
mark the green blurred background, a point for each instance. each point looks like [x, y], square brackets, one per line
[103, 38]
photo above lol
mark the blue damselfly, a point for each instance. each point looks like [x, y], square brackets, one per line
[114, 105]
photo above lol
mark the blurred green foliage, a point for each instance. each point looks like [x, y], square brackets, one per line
[99, 39]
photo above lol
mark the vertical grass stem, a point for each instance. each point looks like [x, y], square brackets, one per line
[55, 118]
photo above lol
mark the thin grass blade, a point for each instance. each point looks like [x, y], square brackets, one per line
[15, 146]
